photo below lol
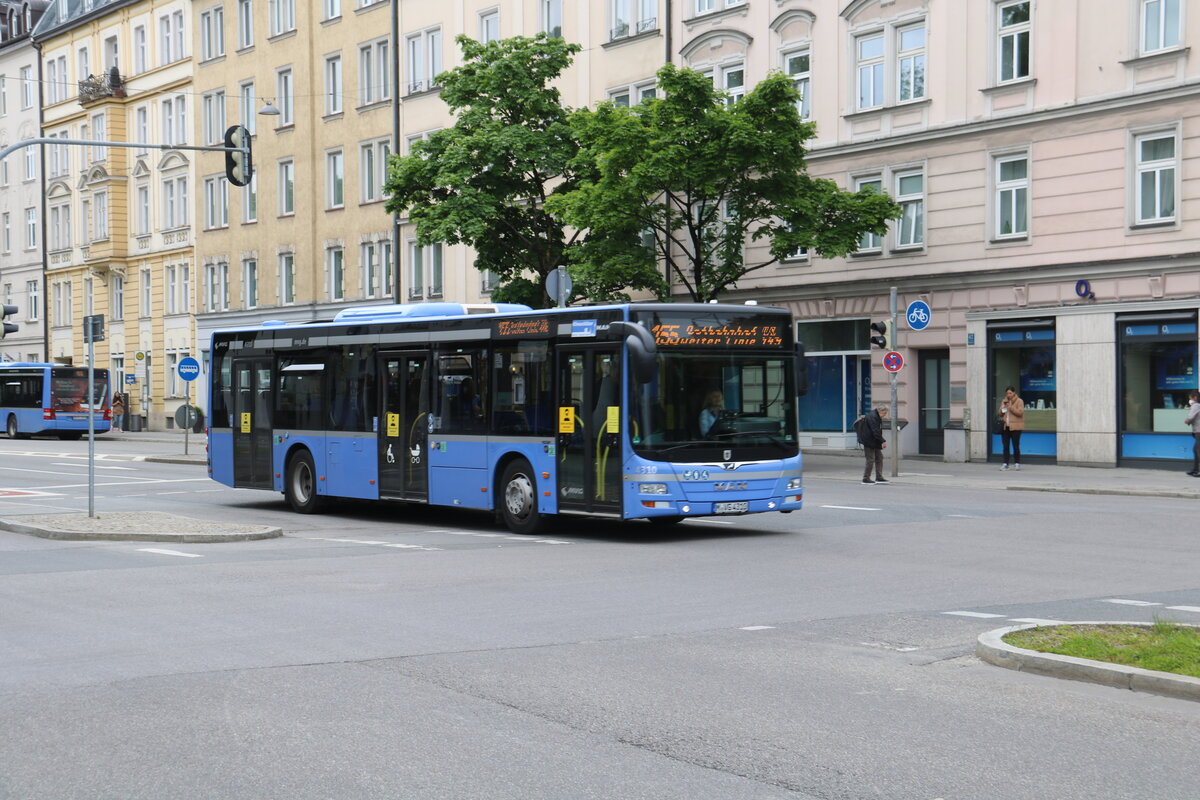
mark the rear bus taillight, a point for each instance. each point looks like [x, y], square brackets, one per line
[47, 413]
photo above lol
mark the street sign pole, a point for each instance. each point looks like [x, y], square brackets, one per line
[187, 404]
[895, 404]
[90, 330]
[188, 369]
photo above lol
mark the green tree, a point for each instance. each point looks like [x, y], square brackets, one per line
[688, 178]
[485, 181]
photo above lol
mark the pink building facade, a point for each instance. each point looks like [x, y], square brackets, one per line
[1045, 155]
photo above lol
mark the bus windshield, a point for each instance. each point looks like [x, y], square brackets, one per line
[704, 405]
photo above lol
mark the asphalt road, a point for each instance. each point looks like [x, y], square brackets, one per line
[382, 651]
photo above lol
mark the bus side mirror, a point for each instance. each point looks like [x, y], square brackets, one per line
[801, 371]
[643, 352]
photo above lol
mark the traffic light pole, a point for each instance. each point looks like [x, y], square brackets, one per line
[895, 403]
[12, 148]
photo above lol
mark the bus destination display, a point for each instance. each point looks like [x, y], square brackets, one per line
[729, 334]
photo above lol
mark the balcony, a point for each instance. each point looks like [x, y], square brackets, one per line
[98, 87]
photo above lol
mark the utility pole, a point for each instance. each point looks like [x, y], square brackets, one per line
[892, 381]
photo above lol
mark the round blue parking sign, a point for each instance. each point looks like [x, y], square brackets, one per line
[918, 315]
[188, 369]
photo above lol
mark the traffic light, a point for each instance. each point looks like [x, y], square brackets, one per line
[7, 327]
[882, 334]
[238, 167]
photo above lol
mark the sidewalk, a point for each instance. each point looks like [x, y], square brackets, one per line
[1035, 477]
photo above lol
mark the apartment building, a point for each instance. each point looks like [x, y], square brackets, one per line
[119, 230]
[20, 187]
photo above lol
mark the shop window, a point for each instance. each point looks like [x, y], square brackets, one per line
[1023, 356]
[1158, 370]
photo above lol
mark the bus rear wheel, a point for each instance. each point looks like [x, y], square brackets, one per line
[519, 499]
[300, 485]
[11, 427]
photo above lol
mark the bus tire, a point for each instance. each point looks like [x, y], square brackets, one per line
[664, 521]
[300, 484]
[11, 427]
[519, 498]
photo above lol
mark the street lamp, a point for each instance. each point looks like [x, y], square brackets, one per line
[268, 110]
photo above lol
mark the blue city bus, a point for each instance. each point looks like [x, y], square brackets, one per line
[594, 411]
[38, 398]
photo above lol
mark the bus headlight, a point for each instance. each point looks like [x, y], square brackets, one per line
[795, 483]
[652, 488]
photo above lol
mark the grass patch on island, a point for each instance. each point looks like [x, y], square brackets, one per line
[1163, 646]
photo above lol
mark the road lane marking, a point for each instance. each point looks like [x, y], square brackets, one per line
[98, 466]
[412, 547]
[131, 482]
[1121, 602]
[853, 508]
[714, 521]
[551, 541]
[964, 516]
[977, 614]
[169, 552]
[347, 541]
[758, 628]
[43, 471]
[1036, 621]
[1194, 609]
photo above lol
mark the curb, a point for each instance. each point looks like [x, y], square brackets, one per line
[261, 532]
[201, 460]
[1176, 493]
[994, 650]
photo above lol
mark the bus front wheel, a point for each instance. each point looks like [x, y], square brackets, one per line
[300, 488]
[519, 500]
[11, 428]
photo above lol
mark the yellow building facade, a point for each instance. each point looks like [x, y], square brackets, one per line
[119, 221]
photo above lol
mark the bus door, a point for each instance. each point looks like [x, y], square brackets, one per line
[404, 426]
[589, 429]
[252, 422]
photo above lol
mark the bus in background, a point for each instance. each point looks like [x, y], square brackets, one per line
[636, 411]
[54, 399]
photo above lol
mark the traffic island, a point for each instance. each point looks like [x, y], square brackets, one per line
[134, 526]
[992, 648]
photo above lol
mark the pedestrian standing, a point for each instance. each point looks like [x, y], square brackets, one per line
[1193, 419]
[870, 436]
[1012, 415]
[118, 411]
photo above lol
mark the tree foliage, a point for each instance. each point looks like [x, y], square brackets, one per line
[686, 179]
[485, 181]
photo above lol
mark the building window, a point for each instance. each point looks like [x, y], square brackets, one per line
[33, 291]
[174, 120]
[870, 70]
[335, 266]
[56, 79]
[60, 227]
[146, 293]
[171, 279]
[216, 287]
[333, 84]
[625, 96]
[489, 26]
[1160, 25]
[799, 69]
[31, 162]
[870, 242]
[283, 16]
[214, 116]
[250, 283]
[141, 131]
[1014, 26]
[424, 59]
[142, 210]
[425, 270]
[100, 208]
[551, 11]
[335, 179]
[1012, 196]
[370, 269]
[284, 96]
[331, 9]
[247, 106]
[372, 164]
[250, 199]
[1155, 187]
[171, 38]
[287, 278]
[3, 95]
[118, 297]
[185, 289]
[99, 134]
[631, 17]
[175, 202]
[31, 228]
[216, 203]
[910, 194]
[373, 72]
[911, 63]
[212, 33]
[7, 233]
[733, 82]
[245, 19]
[287, 186]
[85, 221]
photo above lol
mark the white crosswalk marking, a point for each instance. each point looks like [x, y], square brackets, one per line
[1037, 621]
[169, 552]
[1194, 609]
[1121, 602]
[978, 614]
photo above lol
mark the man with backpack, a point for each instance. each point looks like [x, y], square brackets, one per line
[869, 428]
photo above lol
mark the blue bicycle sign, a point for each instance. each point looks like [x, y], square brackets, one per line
[918, 315]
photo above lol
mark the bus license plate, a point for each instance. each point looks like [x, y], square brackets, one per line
[731, 508]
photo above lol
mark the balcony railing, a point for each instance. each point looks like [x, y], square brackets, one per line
[97, 87]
